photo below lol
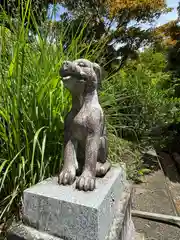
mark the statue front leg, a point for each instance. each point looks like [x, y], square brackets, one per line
[68, 173]
[86, 181]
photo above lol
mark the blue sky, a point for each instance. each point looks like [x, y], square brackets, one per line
[162, 20]
[172, 15]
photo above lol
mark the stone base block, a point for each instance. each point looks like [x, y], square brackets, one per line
[53, 212]
[19, 231]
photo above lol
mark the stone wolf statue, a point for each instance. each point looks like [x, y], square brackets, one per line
[85, 140]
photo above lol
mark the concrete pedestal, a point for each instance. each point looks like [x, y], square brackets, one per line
[53, 212]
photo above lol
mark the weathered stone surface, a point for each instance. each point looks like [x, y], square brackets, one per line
[122, 227]
[19, 231]
[127, 231]
[85, 138]
[67, 213]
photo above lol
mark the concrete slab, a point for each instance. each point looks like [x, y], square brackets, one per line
[152, 196]
[153, 180]
[152, 200]
[156, 231]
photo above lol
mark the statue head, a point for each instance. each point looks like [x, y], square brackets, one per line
[80, 76]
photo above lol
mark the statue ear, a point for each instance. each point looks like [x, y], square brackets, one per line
[98, 72]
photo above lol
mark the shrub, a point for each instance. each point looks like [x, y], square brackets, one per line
[136, 101]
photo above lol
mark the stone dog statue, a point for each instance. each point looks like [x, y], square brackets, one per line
[85, 141]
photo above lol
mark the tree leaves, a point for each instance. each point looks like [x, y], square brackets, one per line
[117, 5]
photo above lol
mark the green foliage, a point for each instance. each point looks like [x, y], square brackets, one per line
[173, 57]
[32, 107]
[137, 97]
[136, 105]
[16, 9]
[127, 153]
[168, 39]
[109, 21]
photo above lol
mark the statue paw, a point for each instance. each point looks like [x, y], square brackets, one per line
[86, 182]
[67, 176]
[102, 168]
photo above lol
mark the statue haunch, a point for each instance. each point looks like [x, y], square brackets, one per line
[85, 141]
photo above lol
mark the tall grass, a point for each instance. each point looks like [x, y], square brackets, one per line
[140, 103]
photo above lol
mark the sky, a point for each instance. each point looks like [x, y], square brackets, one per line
[170, 16]
[164, 18]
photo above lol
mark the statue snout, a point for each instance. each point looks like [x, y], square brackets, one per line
[65, 68]
[66, 65]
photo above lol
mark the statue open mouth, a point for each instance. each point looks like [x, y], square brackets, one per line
[77, 75]
[66, 75]
[66, 78]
